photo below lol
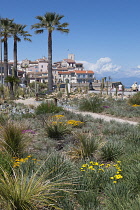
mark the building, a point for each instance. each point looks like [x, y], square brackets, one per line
[65, 70]
[76, 76]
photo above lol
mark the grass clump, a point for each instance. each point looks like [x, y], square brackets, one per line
[20, 191]
[135, 99]
[44, 108]
[12, 139]
[85, 147]
[56, 130]
[112, 150]
[93, 104]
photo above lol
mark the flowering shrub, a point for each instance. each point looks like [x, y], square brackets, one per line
[58, 117]
[97, 167]
[134, 105]
[74, 123]
[17, 162]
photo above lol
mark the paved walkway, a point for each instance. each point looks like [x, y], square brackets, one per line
[32, 101]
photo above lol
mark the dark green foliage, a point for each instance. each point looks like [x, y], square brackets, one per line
[112, 150]
[12, 139]
[93, 104]
[135, 99]
[5, 163]
[56, 130]
[44, 108]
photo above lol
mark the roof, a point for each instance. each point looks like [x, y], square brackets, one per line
[83, 72]
[69, 60]
[33, 62]
[63, 72]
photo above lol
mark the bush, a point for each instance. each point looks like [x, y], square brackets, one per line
[135, 99]
[86, 146]
[31, 193]
[5, 163]
[12, 138]
[112, 150]
[44, 108]
[94, 104]
[56, 130]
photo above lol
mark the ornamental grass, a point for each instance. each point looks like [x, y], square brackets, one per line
[12, 139]
[20, 191]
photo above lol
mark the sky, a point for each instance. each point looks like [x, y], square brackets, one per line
[104, 34]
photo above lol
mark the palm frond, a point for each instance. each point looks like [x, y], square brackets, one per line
[39, 31]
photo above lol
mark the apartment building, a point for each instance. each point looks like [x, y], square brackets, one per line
[76, 76]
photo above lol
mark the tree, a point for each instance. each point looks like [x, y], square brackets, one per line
[50, 22]
[6, 33]
[17, 32]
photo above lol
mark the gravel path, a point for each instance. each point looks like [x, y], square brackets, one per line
[32, 101]
[104, 117]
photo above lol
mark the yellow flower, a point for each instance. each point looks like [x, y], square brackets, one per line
[111, 177]
[118, 176]
[90, 167]
[84, 165]
[100, 169]
[96, 164]
[114, 182]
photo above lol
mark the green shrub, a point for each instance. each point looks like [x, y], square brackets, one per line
[119, 196]
[112, 150]
[12, 138]
[5, 163]
[44, 108]
[3, 119]
[56, 130]
[94, 104]
[85, 147]
[31, 193]
[135, 99]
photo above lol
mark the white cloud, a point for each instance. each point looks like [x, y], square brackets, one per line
[102, 66]
[133, 72]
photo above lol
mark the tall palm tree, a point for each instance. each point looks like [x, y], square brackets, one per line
[17, 32]
[6, 33]
[50, 22]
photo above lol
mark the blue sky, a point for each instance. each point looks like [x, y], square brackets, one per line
[104, 34]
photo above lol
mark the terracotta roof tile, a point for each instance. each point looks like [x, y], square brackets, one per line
[69, 60]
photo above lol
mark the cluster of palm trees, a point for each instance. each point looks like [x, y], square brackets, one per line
[50, 22]
[10, 29]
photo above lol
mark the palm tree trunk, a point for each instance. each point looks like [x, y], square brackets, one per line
[15, 58]
[50, 76]
[5, 60]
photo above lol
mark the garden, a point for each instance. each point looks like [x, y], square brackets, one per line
[52, 158]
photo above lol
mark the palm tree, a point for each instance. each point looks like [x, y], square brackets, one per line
[50, 22]
[6, 33]
[17, 32]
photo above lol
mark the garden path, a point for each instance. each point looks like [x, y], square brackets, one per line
[32, 101]
[104, 117]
